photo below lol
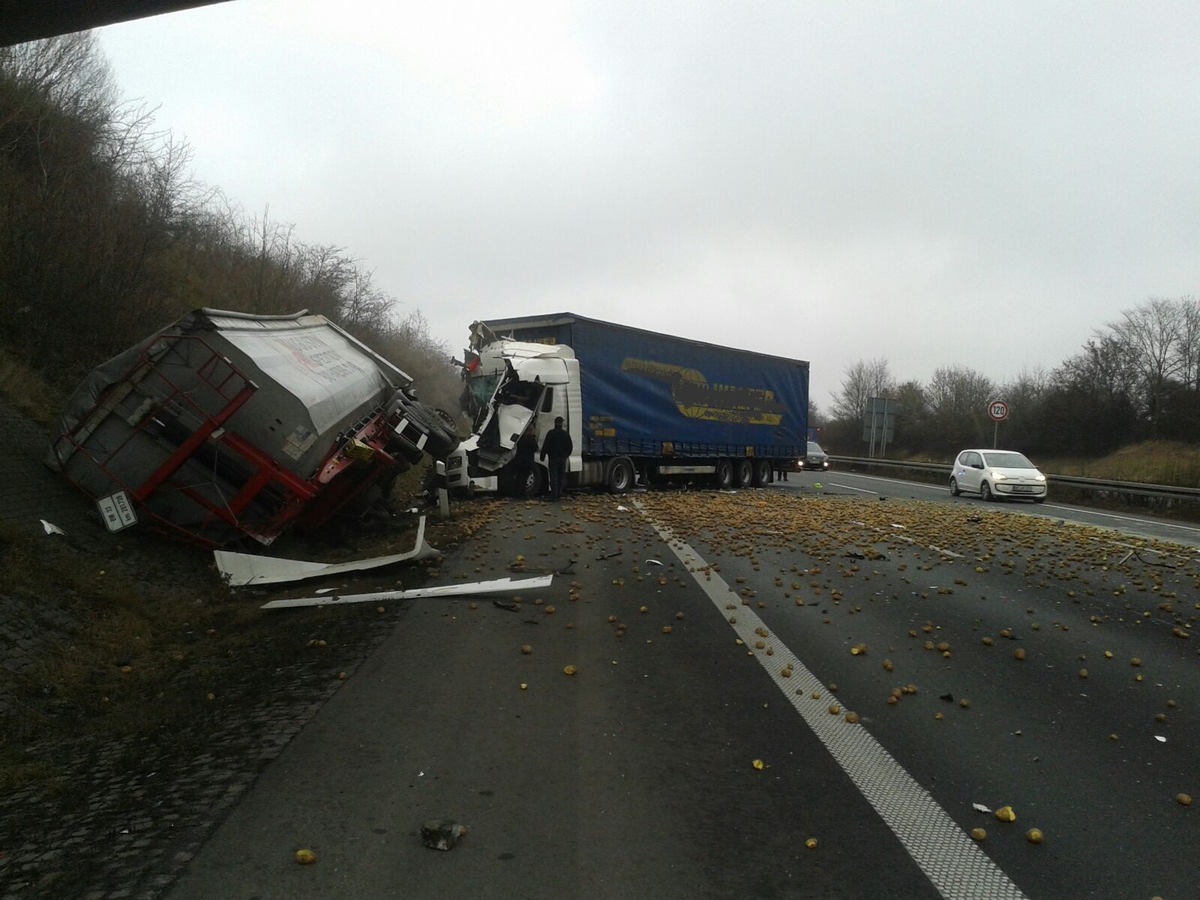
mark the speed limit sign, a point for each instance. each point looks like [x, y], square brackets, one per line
[998, 410]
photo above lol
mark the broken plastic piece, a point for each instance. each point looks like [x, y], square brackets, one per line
[52, 529]
[446, 590]
[242, 569]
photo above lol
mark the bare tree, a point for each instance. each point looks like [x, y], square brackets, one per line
[1187, 349]
[958, 398]
[1152, 333]
[913, 430]
[863, 381]
[958, 392]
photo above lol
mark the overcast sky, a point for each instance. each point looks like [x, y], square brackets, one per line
[931, 183]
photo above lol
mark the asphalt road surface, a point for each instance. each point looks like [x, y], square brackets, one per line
[789, 692]
[835, 482]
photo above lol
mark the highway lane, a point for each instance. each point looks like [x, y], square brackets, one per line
[852, 483]
[1079, 756]
[637, 775]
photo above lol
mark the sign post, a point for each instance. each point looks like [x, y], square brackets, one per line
[997, 412]
[880, 422]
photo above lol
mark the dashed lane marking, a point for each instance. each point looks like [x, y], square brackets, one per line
[956, 865]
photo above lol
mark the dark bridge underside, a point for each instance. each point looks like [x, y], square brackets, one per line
[30, 20]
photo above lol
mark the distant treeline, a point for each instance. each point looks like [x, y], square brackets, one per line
[105, 237]
[1136, 379]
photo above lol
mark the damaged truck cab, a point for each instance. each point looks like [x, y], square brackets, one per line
[639, 406]
[226, 425]
[512, 387]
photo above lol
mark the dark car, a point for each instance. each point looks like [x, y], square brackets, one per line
[815, 460]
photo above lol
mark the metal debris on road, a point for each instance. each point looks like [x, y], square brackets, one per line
[244, 569]
[445, 590]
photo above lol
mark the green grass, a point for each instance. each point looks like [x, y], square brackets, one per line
[1152, 462]
[27, 391]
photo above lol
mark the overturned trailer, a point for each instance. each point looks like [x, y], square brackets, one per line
[225, 425]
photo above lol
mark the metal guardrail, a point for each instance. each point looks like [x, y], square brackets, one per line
[1096, 485]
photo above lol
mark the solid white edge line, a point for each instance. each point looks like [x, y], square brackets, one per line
[955, 864]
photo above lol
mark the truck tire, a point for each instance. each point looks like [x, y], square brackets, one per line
[436, 424]
[743, 473]
[725, 474]
[762, 472]
[621, 475]
[532, 485]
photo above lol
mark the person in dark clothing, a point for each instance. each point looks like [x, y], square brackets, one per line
[558, 447]
[524, 461]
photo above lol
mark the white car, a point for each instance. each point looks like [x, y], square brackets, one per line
[996, 474]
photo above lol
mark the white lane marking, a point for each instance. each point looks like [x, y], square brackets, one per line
[955, 864]
[1148, 523]
[851, 487]
[897, 481]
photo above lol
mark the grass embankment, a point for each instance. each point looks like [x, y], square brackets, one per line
[146, 635]
[28, 392]
[1152, 462]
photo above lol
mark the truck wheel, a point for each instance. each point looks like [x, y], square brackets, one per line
[535, 484]
[621, 476]
[743, 473]
[531, 485]
[725, 474]
[762, 472]
[438, 425]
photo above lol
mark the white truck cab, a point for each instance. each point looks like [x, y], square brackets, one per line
[511, 387]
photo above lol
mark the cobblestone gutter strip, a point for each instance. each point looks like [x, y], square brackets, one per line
[129, 814]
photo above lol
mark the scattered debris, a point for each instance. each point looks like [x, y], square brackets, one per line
[243, 569]
[442, 834]
[446, 590]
